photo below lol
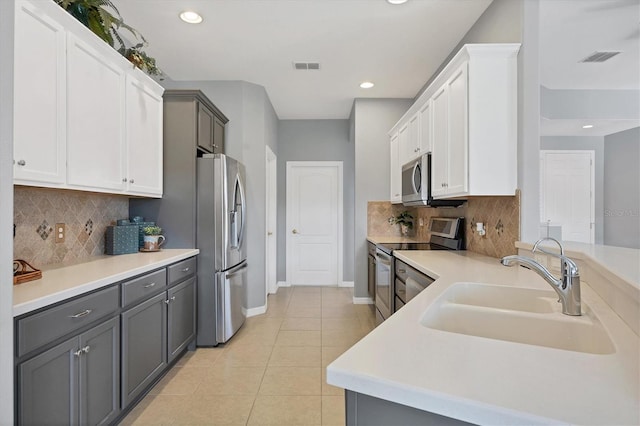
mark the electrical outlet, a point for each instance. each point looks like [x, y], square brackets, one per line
[61, 232]
[421, 221]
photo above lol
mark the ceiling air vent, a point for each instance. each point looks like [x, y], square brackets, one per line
[599, 56]
[306, 65]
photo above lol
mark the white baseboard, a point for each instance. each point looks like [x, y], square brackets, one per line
[362, 300]
[346, 284]
[252, 312]
[283, 284]
[273, 288]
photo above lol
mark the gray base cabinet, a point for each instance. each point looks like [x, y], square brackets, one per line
[75, 382]
[181, 317]
[367, 410]
[144, 330]
[88, 360]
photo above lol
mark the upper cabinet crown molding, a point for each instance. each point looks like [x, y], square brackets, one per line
[84, 117]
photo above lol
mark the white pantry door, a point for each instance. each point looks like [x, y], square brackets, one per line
[314, 222]
[566, 193]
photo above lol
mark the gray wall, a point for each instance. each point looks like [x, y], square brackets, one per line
[622, 189]
[371, 120]
[316, 140]
[501, 22]
[589, 104]
[6, 211]
[252, 126]
[587, 143]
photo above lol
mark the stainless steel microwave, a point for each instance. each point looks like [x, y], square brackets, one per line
[416, 184]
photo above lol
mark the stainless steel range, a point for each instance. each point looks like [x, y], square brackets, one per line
[446, 234]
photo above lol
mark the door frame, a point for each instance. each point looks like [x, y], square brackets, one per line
[271, 223]
[592, 183]
[340, 206]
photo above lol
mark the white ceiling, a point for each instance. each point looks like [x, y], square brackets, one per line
[571, 30]
[396, 47]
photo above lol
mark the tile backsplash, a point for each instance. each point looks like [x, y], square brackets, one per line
[500, 215]
[86, 216]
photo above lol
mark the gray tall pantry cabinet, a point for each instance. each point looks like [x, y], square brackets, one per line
[192, 126]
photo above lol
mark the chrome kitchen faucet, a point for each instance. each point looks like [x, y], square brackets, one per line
[567, 287]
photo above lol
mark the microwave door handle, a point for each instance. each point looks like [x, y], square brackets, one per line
[416, 167]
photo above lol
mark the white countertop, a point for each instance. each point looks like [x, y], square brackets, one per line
[489, 381]
[60, 283]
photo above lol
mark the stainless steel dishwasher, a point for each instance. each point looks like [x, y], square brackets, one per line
[409, 282]
[384, 289]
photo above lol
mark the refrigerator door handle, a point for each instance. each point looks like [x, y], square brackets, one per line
[240, 234]
[235, 270]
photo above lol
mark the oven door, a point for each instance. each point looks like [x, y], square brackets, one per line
[384, 280]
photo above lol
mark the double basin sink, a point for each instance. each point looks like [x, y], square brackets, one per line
[518, 315]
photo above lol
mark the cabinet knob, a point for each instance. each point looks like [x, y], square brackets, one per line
[78, 352]
[124, 179]
[295, 231]
[22, 163]
[86, 349]
[131, 181]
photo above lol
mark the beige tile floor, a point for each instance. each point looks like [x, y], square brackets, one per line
[271, 373]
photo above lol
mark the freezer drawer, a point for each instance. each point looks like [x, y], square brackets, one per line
[231, 296]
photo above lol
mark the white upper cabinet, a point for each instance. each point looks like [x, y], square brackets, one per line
[39, 101]
[396, 171]
[468, 120]
[440, 147]
[85, 118]
[452, 157]
[95, 121]
[409, 140]
[426, 124]
[144, 136]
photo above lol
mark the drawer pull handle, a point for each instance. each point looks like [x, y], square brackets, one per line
[403, 271]
[81, 314]
[150, 285]
[186, 269]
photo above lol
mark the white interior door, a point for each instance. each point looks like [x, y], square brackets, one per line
[314, 223]
[271, 222]
[566, 192]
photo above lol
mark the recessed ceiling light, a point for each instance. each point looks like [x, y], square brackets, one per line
[587, 126]
[191, 17]
[396, 1]
[366, 85]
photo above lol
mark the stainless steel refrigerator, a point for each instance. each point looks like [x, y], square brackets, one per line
[222, 263]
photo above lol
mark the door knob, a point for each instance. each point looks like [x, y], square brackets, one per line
[295, 231]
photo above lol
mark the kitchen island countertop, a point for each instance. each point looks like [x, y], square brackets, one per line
[63, 282]
[488, 381]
